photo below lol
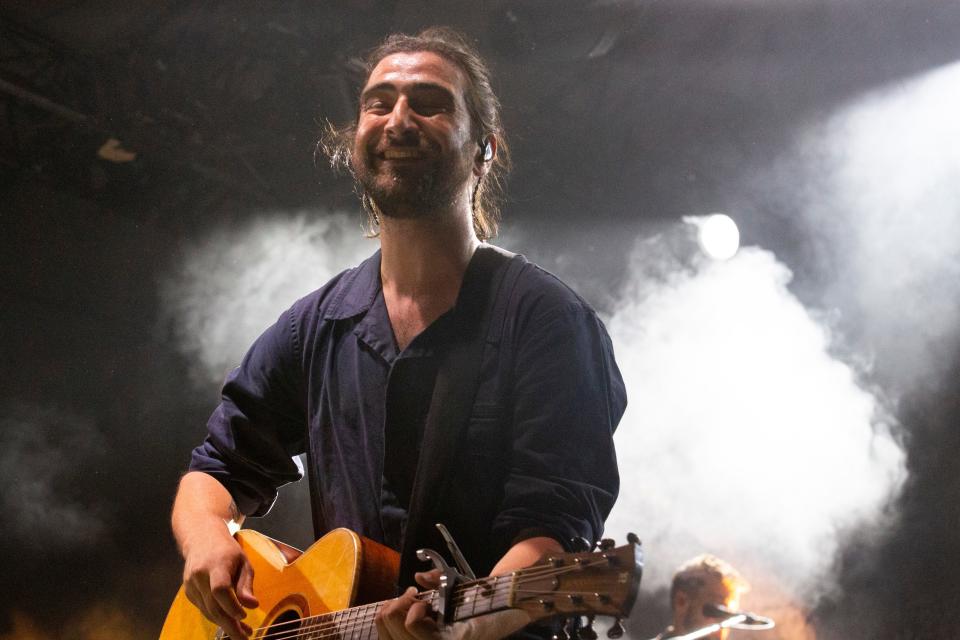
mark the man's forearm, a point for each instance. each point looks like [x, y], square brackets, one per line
[525, 553]
[217, 576]
[201, 503]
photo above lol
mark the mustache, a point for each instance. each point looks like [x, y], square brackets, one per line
[421, 145]
[406, 140]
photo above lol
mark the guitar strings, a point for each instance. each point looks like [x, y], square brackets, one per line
[499, 583]
[357, 626]
[345, 624]
[362, 625]
[463, 591]
[424, 596]
[317, 627]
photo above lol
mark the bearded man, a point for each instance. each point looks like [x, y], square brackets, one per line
[355, 374]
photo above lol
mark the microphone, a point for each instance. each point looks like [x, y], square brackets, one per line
[719, 611]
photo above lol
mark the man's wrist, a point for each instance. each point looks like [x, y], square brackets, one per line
[206, 530]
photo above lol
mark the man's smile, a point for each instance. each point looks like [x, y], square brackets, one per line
[406, 153]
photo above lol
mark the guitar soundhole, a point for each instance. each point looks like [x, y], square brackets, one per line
[285, 625]
[287, 622]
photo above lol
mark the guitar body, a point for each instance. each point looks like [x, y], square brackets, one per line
[340, 570]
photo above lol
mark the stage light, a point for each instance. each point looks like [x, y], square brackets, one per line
[719, 236]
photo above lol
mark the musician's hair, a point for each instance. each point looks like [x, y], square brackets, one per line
[483, 107]
[694, 574]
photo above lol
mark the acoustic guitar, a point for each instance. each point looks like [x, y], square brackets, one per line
[334, 589]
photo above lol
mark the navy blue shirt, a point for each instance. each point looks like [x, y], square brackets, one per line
[536, 456]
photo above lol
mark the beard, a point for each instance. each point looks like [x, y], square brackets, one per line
[419, 189]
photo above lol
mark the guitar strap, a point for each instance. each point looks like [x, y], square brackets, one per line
[479, 318]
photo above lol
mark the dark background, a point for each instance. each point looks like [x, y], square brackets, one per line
[623, 116]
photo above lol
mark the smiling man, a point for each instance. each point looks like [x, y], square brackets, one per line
[415, 146]
[441, 380]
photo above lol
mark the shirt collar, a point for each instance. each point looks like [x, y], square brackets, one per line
[361, 285]
[357, 290]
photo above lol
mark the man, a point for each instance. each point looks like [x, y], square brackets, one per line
[703, 580]
[348, 374]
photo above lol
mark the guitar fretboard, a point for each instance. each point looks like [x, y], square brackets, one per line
[469, 600]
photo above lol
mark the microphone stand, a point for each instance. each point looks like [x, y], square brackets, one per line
[703, 632]
[746, 621]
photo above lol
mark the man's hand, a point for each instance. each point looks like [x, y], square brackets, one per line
[218, 580]
[217, 576]
[408, 618]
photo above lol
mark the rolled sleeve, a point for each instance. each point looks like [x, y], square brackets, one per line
[260, 423]
[568, 399]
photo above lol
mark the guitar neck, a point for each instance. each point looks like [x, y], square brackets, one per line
[470, 599]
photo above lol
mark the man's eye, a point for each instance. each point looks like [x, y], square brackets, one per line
[375, 105]
[431, 109]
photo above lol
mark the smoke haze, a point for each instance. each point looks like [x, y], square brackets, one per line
[235, 283]
[882, 181]
[874, 189]
[43, 452]
[744, 436]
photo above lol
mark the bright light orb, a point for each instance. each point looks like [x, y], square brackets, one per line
[719, 236]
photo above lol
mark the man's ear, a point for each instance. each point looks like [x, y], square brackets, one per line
[680, 604]
[487, 152]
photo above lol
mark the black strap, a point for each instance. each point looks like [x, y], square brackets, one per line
[477, 315]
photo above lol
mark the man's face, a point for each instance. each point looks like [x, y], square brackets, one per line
[688, 609]
[414, 152]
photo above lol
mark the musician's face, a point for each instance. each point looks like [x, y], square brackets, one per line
[414, 151]
[688, 609]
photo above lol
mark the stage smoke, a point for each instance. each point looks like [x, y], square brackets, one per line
[882, 183]
[44, 453]
[875, 187]
[744, 436]
[232, 285]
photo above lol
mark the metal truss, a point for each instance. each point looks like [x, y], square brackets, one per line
[59, 106]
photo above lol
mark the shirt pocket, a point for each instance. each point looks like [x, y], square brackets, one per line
[487, 432]
[482, 468]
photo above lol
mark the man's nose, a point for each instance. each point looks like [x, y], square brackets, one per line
[401, 123]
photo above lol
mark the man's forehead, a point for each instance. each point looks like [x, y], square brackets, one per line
[417, 66]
